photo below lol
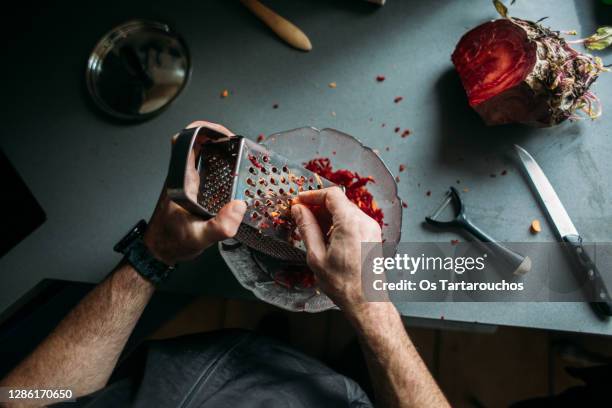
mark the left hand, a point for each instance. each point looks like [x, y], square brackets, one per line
[175, 235]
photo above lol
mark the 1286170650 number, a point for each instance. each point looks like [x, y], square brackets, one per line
[8, 394]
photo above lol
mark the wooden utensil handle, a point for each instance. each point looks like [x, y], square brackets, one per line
[286, 30]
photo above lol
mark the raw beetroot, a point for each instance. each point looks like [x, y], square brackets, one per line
[517, 71]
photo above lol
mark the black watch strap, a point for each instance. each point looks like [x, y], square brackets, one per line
[138, 255]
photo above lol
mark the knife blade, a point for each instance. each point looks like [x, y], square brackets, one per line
[567, 233]
[553, 206]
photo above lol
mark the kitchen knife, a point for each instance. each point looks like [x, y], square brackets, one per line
[567, 232]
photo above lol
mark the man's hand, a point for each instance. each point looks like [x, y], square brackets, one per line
[337, 266]
[82, 351]
[399, 376]
[174, 235]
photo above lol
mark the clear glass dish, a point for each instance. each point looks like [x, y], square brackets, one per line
[256, 271]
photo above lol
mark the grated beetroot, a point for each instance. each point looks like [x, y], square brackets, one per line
[301, 278]
[354, 184]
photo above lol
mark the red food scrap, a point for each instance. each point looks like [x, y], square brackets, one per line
[406, 133]
[404, 204]
[454, 241]
[504, 172]
[397, 179]
[428, 193]
[254, 161]
[260, 138]
[354, 184]
[398, 99]
[397, 129]
[380, 78]
[402, 168]
[298, 278]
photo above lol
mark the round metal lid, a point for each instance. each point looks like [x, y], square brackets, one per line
[137, 69]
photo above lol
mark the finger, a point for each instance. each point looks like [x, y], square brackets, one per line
[209, 130]
[332, 198]
[225, 224]
[214, 126]
[323, 217]
[310, 231]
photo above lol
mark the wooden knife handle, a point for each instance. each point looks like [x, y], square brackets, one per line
[286, 30]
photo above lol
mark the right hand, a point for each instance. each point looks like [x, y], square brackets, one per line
[337, 263]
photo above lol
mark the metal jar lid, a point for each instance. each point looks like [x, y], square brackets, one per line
[137, 69]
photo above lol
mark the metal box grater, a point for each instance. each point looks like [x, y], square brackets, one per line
[237, 168]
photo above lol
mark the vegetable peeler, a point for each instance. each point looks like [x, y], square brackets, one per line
[518, 263]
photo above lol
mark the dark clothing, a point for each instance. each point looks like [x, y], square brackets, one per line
[229, 369]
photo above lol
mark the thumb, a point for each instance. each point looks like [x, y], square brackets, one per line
[226, 223]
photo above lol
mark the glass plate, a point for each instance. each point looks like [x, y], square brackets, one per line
[256, 271]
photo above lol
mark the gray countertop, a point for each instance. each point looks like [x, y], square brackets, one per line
[95, 178]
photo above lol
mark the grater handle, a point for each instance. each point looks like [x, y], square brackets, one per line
[181, 164]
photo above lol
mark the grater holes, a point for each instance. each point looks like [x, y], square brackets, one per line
[216, 178]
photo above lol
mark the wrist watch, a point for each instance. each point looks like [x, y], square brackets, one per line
[138, 255]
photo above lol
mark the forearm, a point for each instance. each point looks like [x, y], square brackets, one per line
[399, 375]
[82, 351]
